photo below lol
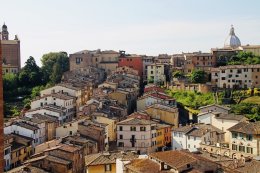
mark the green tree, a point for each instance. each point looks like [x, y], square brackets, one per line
[30, 74]
[10, 82]
[198, 76]
[56, 73]
[178, 74]
[36, 91]
[54, 62]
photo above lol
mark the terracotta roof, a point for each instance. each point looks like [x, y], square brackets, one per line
[26, 125]
[136, 121]
[184, 129]
[143, 166]
[157, 95]
[69, 148]
[57, 160]
[230, 117]
[246, 127]
[220, 115]
[34, 120]
[49, 107]
[69, 86]
[163, 107]
[175, 159]
[140, 115]
[217, 105]
[239, 66]
[153, 88]
[197, 129]
[202, 129]
[160, 126]
[107, 158]
[59, 95]
[45, 117]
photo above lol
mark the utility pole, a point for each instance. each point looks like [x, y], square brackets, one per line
[1, 112]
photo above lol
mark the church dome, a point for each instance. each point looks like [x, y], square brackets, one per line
[232, 41]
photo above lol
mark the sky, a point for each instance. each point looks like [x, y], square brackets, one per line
[148, 27]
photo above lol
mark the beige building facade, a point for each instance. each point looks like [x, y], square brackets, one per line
[236, 76]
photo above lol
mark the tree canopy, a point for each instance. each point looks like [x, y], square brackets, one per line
[198, 76]
[30, 74]
[244, 58]
[54, 64]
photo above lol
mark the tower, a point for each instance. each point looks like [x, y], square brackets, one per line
[5, 33]
[1, 115]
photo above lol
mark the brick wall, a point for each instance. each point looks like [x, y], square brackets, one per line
[1, 115]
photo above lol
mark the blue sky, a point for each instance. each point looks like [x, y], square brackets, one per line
[137, 26]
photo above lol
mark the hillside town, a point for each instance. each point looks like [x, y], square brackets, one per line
[121, 113]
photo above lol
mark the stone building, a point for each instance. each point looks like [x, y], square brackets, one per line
[236, 76]
[10, 52]
[1, 112]
[107, 60]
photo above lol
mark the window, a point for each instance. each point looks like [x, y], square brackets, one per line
[143, 137]
[234, 135]
[242, 148]
[188, 145]
[133, 128]
[223, 78]
[249, 150]
[142, 129]
[249, 137]
[120, 128]
[78, 60]
[241, 135]
[175, 133]
[194, 139]
[108, 167]
[7, 151]
[234, 147]
[121, 144]
[120, 136]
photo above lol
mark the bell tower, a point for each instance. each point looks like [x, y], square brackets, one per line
[5, 33]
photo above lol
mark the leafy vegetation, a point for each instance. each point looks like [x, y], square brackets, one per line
[251, 110]
[244, 58]
[54, 64]
[20, 88]
[191, 99]
[254, 100]
[178, 74]
[198, 76]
